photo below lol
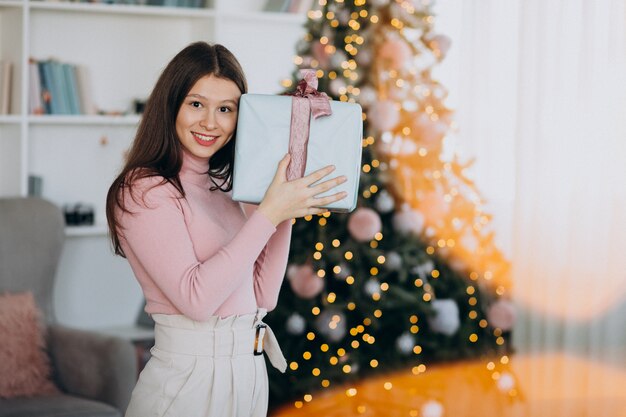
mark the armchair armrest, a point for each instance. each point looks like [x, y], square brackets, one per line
[92, 365]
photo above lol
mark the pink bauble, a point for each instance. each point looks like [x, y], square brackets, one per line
[502, 315]
[304, 282]
[441, 45]
[363, 224]
[396, 52]
[319, 52]
[383, 115]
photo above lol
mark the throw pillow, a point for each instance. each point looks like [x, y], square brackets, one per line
[24, 364]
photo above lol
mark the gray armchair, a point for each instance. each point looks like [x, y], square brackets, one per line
[96, 373]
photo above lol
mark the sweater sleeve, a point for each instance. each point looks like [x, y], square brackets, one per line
[271, 264]
[157, 237]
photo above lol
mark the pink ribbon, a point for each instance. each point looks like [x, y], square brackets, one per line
[306, 100]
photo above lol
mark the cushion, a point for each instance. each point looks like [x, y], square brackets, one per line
[24, 363]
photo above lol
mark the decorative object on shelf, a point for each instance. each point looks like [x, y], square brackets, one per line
[79, 214]
[35, 186]
[139, 105]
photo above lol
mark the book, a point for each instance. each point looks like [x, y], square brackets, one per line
[6, 69]
[35, 96]
[83, 85]
[46, 96]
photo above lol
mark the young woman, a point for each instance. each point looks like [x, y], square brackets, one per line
[209, 267]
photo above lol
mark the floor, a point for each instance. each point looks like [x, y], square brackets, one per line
[549, 384]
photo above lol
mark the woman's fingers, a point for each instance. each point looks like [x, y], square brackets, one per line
[324, 201]
[314, 177]
[327, 185]
[281, 171]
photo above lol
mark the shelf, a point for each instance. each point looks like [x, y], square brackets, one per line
[131, 120]
[125, 9]
[277, 17]
[81, 231]
[10, 119]
[11, 3]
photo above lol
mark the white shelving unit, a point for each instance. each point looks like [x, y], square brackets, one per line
[123, 49]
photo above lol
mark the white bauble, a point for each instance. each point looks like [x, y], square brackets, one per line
[372, 286]
[446, 319]
[367, 96]
[384, 202]
[405, 343]
[332, 324]
[337, 59]
[393, 261]
[432, 408]
[295, 324]
[506, 382]
[408, 221]
[337, 86]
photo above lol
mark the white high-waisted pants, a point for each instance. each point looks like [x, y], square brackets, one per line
[205, 369]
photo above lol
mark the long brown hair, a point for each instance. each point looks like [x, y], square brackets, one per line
[156, 149]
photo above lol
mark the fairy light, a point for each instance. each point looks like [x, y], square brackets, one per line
[483, 323]
[315, 311]
[317, 256]
[349, 280]
[348, 255]
[336, 243]
[374, 363]
[310, 336]
[316, 371]
[472, 314]
[417, 349]
[298, 404]
[306, 355]
[308, 398]
[434, 273]
[321, 273]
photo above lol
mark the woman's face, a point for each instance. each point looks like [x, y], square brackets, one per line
[208, 116]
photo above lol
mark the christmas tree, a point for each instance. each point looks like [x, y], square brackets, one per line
[412, 276]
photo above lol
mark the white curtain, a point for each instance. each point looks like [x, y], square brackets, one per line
[539, 89]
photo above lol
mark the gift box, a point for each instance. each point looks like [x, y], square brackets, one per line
[269, 126]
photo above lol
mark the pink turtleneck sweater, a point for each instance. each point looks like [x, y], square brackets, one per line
[204, 254]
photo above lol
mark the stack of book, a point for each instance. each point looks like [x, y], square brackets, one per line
[58, 88]
[6, 70]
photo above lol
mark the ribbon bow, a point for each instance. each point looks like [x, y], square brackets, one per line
[306, 101]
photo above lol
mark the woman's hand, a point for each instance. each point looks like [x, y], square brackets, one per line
[291, 199]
